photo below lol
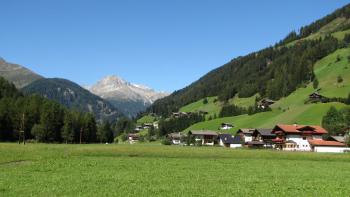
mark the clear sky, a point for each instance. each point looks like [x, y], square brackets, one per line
[164, 44]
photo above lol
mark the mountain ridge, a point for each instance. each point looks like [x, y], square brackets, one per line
[124, 94]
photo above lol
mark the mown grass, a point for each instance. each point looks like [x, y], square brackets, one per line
[155, 170]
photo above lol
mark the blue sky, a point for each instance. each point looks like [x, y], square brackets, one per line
[163, 44]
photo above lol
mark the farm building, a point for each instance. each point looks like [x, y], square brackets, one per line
[204, 137]
[175, 138]
[265, 103]
[246, 134]
[316, 97]
[226, 126]
[264, 135]
[133, 138]
[328, 146]
[295, 137]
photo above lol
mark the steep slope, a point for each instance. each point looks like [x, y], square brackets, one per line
[128, 97]
[294, 108]
[18, 75]
[274, 72]
[73, 96]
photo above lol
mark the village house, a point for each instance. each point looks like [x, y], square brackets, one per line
[327, 146]
[265, 136]
[265, 103]
[147, 125]
[138, 128]
[227, 140]
[204, 137]
[237, 142]
[315, 96]
[295, 137]
[180, 114]
[246, 134]
[133, 138]
[226, 126]
[175, 138]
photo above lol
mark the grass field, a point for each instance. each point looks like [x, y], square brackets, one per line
[155, 170]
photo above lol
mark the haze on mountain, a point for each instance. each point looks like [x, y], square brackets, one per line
[128, 97]
[17, 74]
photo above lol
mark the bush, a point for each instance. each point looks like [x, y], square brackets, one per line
[166, 141]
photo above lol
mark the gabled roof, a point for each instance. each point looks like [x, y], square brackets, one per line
[246, 131]
[266, 132]
[204, 132]
[340, 139]
[136, 135]
[300, 129]
[226, 138]
[325, 143]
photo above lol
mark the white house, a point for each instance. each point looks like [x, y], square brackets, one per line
[246, 134]
[204, 137]
[226, 126]
[296, 137]
[328, 146]
[175, 138]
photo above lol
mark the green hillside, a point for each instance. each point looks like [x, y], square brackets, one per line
[292, 109]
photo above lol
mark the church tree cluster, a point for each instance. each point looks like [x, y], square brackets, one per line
[44, 120]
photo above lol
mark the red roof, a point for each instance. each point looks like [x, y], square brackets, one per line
[301, 129]
[325, 143]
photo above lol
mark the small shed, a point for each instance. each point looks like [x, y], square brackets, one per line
[226, 126]
[265, 103]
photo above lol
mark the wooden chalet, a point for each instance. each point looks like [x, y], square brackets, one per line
[265, 103]
[133, 138]
[175, 138]
[265, 136]
[316, 97]
[204, 137]
[246, 134]
[295, 137]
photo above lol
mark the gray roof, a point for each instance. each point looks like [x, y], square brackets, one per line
[246, 131]
[266, 132]
[226, 138]
[204, 132]
[338, 138]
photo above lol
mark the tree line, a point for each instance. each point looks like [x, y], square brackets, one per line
[44, 120]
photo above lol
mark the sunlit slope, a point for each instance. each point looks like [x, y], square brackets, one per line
[294, 109]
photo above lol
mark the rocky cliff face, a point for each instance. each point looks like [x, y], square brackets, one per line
[17, 74]
[128, 97]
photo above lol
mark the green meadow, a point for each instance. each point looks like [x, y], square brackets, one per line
[294, 108]
[155, 170]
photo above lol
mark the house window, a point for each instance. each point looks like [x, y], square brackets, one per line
[304, 138]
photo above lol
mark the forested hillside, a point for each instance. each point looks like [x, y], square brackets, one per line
[273, 72]
[73, 96]
[41, 119]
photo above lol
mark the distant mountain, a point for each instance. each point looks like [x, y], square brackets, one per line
[73, 96]
[128, 97]
[17, 74]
